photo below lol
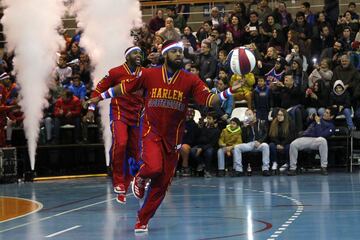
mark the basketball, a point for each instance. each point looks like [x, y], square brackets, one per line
[241, 60]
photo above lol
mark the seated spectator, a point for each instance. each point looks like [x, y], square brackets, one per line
[345, 21]
[346, 39]
[206, 62]
[190, 136]
[277, 41]
[78, 88]
[323, 72]
[304, 30]
[252, 33]
[292, 39]
[314, 138]
[205, 145]
[264, 10]
[267, 27]
[334, 53]
[216, 41]
[224, 110]
[67, 111]
[215, 17]
[281, 134]
[276, 73]
[15, 118]
[205, 31]
[222, 62]
[245, 92]
[291, 98]
[74, 52]
[352, 10]
[11, 89]
[300, 76]
[317, 98]
[341, 101]
[169, 32]
[157, 22]
[296, 53]
[254, 134]
[190, 37]
[63, 73]
[355, 55]
[269, 60]
[262, 99]
[230, 136]
[309, 16]
[347, 73]
[282, 16]
[228, 43]
[236, 28]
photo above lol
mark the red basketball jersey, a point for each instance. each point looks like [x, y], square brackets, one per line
[125, 108]
[166, 101]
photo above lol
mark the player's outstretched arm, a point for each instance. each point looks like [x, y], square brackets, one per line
[222, 96]
[110, 93]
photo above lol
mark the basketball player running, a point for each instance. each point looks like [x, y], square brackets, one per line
[125, 114]
[169, 89]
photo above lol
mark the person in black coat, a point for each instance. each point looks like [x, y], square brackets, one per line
[206, 145]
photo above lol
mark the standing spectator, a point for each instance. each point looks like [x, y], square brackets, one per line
[332, 10]
[229, 138]
[252, 29]
[205, 145]
[323, 40]
[340, 100]
[281, 134]
[262, 99]
[254, 134]
[67, 111]
[184, 10]
[85, 70]
[157, 22]
[179, 21]
[314, 138]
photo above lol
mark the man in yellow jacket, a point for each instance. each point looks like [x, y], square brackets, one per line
[230, 136]
[246, 90]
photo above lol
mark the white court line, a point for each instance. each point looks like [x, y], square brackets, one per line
[63, 231]
[62, 213]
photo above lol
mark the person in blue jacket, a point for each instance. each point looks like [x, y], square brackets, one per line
[314, 138]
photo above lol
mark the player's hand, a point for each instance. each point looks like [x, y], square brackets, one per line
[89, 117]
[237, 85]
[94, 100]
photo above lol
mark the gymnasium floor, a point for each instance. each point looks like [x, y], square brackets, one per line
[309, 206]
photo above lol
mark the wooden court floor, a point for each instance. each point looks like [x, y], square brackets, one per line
[309, 206]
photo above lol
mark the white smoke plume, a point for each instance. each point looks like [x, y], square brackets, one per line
[30, 29]
[106, 28]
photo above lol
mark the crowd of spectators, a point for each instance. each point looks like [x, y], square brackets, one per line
[306, 63]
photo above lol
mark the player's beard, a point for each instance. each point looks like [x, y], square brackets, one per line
[174, 65]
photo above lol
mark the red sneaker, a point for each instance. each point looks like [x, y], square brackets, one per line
[140, 228]
[120, 189]
[138, 186]
[121, 198]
